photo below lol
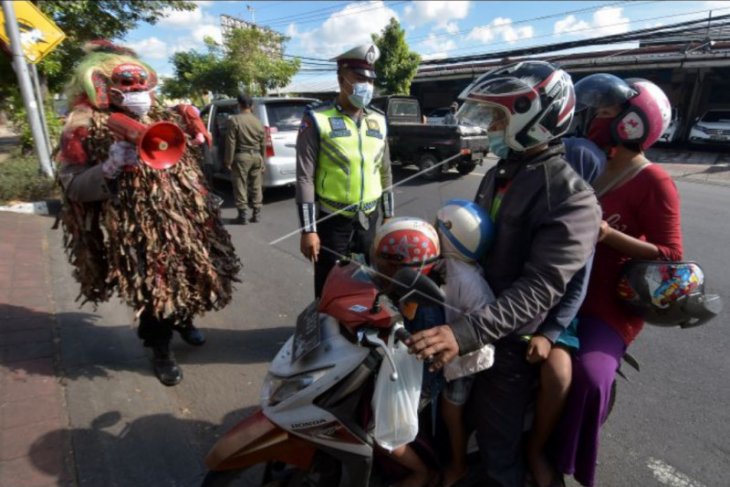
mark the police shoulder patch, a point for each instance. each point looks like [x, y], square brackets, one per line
[337, 123]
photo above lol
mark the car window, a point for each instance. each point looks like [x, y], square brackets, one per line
[222, 114]
[286, 116]
[715, 116]
[439, 112]
[405, 108]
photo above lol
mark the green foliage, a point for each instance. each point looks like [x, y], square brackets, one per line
[257, 67]
[19, 119]
[247, 61]
[22, 180]
[197, 73]
[397, 65]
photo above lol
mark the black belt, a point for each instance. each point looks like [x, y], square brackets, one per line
[249, 151]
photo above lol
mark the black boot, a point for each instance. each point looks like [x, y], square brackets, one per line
[191, 335]
[165, 366]
[242, 219]
[256, 215]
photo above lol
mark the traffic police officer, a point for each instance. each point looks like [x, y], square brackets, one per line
[343, 168]
[244, 155]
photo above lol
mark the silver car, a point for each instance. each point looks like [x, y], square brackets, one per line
[281, 118]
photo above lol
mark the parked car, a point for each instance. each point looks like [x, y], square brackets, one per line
[281, 118]
[412, 142]
[712, 127]
[670, 134]
[436, 117]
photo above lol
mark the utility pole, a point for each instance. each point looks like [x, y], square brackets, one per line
[26, 88]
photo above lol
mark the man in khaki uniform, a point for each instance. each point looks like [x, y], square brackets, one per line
[244, 156]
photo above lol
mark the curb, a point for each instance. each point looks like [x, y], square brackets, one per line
[42, 208]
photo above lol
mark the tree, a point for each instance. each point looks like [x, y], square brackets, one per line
[397, 65]
[196, 73]
[248, 60]
[257, 64]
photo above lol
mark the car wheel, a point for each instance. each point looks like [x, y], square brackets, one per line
[465, 168]
[427, 164]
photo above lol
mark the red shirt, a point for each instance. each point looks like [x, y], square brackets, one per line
[645, 207]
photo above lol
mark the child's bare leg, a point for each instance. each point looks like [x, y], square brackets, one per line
[555, 377]
[406, 456]
[453, 417]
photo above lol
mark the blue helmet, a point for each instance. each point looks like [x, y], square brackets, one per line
[465, 230]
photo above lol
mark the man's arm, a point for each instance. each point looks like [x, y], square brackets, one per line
[307, 155]
[562, 314]
[230, 150]
[561, 247]
[80, 182]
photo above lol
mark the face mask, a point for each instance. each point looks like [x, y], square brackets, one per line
[137, 102]
[497, 144]
[599, 132]
[362, 94]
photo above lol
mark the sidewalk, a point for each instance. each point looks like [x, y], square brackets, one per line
[32, 401]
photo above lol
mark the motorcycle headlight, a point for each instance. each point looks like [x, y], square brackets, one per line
[277, 389]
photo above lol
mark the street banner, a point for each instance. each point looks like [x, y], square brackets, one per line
[39, 35]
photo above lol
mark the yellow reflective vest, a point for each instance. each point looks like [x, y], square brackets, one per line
[347, 178]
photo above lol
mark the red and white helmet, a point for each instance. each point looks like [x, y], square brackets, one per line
[646, 109]
[405, 241]
[537, 97]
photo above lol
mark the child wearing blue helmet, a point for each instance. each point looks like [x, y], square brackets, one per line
[465, 231]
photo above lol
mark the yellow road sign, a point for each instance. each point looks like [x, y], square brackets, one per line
[39, 35]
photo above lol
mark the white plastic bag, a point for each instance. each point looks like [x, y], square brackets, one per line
[395, 402]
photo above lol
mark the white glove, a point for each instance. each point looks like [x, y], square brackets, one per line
[121, 155]
[199, 139]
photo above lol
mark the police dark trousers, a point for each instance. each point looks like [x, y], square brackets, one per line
[338, 236]
[497, 406]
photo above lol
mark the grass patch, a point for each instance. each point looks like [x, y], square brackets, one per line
[21, 180]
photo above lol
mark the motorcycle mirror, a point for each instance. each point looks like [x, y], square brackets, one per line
[413, 286]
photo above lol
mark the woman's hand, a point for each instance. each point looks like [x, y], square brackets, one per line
[538, 349]
[604, 231]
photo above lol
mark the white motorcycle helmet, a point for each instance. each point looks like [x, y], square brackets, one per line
[465, 230]
[536, 97]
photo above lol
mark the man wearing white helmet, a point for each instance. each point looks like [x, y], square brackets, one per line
[546, 224]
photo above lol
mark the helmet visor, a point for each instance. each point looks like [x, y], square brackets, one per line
[480, 114]
[602, 90]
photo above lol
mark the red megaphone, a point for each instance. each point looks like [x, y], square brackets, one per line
[160, 145]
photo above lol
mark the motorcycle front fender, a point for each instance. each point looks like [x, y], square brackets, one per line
[257, 440]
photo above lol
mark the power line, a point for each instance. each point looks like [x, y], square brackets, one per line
[521, 21]
[316, 15]
[637, 35]
[586, 42]
[543, 17]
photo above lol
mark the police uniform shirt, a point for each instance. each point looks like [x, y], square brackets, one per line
[244, 133]
[307, 157]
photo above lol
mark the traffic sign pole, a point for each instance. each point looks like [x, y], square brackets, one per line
[26, 88]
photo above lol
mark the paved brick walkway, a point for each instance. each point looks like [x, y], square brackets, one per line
[33, 451]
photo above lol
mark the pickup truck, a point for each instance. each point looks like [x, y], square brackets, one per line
[414, 142]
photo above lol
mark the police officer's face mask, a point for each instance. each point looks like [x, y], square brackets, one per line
[362, 93]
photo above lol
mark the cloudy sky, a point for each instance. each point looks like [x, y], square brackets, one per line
[322, 30]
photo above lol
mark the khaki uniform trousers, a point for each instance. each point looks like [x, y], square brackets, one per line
[248, 180]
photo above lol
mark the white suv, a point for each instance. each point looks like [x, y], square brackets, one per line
[281, 118]
[712, 127]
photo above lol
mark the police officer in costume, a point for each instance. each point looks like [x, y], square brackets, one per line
[244, 157]
[343, 167]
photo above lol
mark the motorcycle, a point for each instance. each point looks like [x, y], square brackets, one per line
[314, 423]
